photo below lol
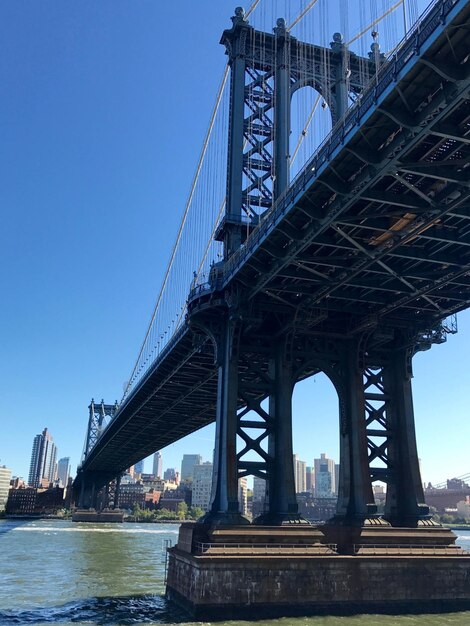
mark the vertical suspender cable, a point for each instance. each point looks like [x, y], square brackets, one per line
[148, 334]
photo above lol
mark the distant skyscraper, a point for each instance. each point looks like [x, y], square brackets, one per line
[310, 480]
[325, 477]
[202, 484]
[43, 460]
[170, 474]
[259, 489]
[259, 496]
[5, 477]
[243, 495]
[63, 470]
[157, 465]
[300, 474]
[139, 467]
[187, 465]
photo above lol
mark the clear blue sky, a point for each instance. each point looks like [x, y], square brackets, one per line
[103, 111]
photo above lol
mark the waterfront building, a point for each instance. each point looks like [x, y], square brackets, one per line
[21, 501]
[152, 498]
[158, 465]
[49, 501]
[187, 465]
[43, 460]
[35, 501]
[170, 503]
[463, 508]
[202, 486]
[442, 499]
[127, 478]
[172, 497]
[325, 477]
[300, 475]
[456, 484]
[63, 471]
[131, 494]
[151, 482]
[5, 477]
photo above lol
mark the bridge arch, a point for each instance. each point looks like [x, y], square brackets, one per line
[354, 491]
[310, 123]
[316, 432]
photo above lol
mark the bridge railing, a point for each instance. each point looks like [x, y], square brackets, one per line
[367, 549]
[266, 548]
[410, 45]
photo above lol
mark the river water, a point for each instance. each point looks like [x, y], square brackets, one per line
[56, 572]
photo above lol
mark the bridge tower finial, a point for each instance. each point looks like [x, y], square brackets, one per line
[240, 16]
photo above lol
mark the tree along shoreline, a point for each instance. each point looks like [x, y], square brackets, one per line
[183, 513]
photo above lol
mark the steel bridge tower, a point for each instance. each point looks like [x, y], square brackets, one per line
[98, 491]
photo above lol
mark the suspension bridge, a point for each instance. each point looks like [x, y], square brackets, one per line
[349, 267]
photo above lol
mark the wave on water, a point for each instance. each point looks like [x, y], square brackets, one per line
[109, 610]
[82, 529]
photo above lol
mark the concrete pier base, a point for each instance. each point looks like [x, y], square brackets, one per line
[277, 571]
[90, 515]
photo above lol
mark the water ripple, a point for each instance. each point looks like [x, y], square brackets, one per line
[120, 611]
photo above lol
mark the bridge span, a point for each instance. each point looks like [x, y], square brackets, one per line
[370, 243]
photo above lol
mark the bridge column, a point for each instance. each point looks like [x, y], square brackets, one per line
[236, 44]
[117, 491]
[281, 496]
[225, 505]
[341, 88]
[281, 110]
[355, 496]
[88, 495]
[405, 504]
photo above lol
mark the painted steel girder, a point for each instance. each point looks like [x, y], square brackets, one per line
[274, 268]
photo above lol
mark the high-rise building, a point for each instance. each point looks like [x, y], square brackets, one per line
[157, 465]
[300, 475]
[170, 474]
[43, 460]
[139, 467]
[5, 477]
[310, 480]
[187, 465]
[325, 477]
[243, 496]
[202, 486]
[259, 496]
[63, 470]
[259, 489]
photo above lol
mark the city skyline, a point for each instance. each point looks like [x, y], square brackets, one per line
[120, 175]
